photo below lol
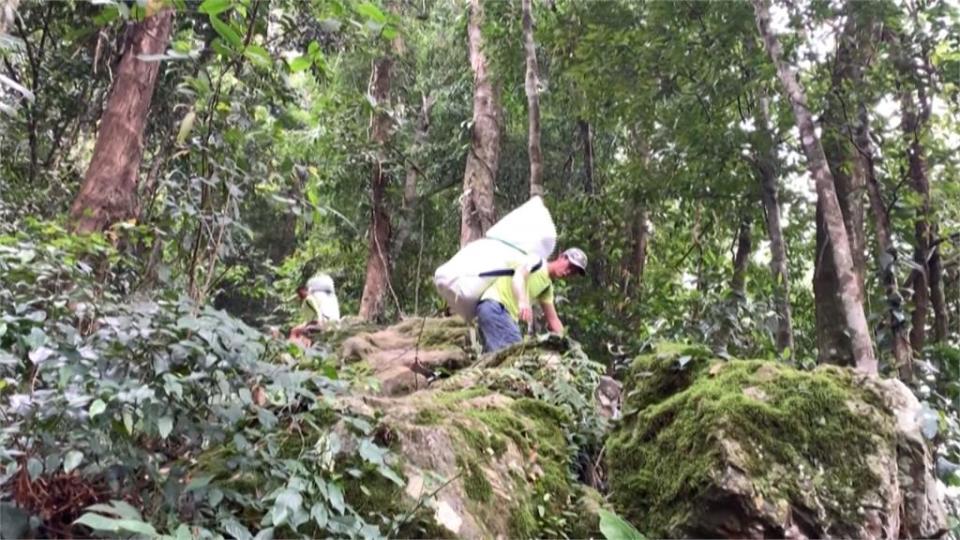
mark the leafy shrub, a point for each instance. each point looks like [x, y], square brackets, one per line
[115, 406]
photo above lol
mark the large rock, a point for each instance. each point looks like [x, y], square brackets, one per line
[403, 357]
[753, 449]
[490, 449]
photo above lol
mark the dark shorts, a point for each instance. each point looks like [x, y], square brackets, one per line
[497, 329]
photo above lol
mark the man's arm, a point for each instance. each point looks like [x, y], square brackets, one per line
[520, 276]
[553, 321]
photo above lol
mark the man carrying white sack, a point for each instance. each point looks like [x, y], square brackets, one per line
[508, 299]
[318, 307]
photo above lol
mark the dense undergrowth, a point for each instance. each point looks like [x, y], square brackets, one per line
[126, 412]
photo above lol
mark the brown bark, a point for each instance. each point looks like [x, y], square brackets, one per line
[850, 292]
[641, 237]
[766, 158]
[8, 10]
[741, 261]
[109, 190]
[477, 212]
[586, 136]
[410, 198]
[853, 53]
[886, 251]
[532, 86]
[910, 125]
[928, 275]
[377, 281]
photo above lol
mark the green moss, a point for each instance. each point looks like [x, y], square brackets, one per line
[475, 481]
[523, 524]
[667, 451]
[455, 398]
[427, 417]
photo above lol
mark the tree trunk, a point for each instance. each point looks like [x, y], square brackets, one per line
[377, 282]
[586, 137]
[766, 159]
[886, 251]
[410, 198]
[853, 53]
[8, 10]
[850, 292]
[532, 86]
[109, 190]
[910, 125]
[741, 261]
[477, 213]
[928, 282]
[641, 237]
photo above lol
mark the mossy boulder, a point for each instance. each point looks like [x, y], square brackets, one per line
[402, 356]
[749, 448]
[482, 464]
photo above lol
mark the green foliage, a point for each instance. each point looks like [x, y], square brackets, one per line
[614, 527]
[186, 410]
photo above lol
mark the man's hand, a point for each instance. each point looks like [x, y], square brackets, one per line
[526, 314]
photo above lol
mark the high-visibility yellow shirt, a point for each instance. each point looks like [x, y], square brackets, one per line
[539, 288]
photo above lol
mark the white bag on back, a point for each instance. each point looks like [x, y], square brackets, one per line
[525, 235]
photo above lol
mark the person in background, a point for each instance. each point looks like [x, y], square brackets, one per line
[318, 306]
[507, 301]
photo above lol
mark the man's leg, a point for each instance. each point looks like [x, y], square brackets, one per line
[496, 327]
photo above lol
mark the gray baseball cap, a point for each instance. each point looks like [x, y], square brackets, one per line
[578, 258]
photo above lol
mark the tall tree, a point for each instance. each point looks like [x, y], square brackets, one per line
[532, 87]
[378, 254]
[927, 278]
[477, 212]
[586, 138]
[765, 163]
[109, 190]
[886, 251]
[853, 54]
[850, 293]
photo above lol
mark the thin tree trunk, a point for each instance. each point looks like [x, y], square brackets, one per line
[741, 260]
[477, 212]
[377, 282]
[853, 53]
[532, 86]
[641, 238]
[766, 158]
[856, 321]
[922, 235]
[8, 10]
[109, 190]
[886, 251]
[586, 136]
[410, 198]
[938, 298]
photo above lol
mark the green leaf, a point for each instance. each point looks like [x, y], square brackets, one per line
[614, 527]
[165, 426]
[34, 468]
[227, 32]
[120, 509]
[258, 55]
[96, 408]
[371, 12]
[299, 63]
[102, 523]
[72, 460]
[336, 497]
[186, 126]
[235, 529]
[212, 7]
[390, 32]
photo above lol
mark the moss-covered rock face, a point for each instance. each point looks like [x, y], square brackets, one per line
[487, 452]
[402, 356]
[710, 448]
